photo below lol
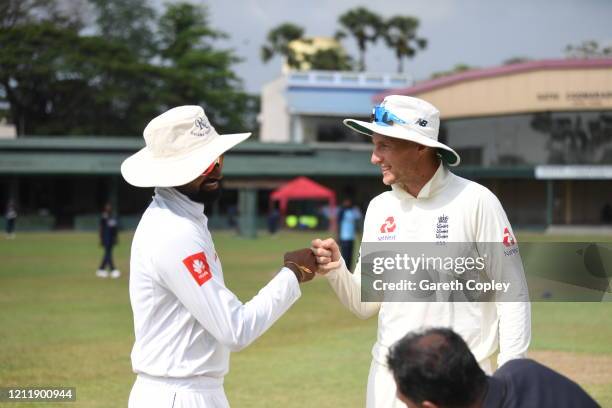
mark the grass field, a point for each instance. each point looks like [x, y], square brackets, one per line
[62, 326]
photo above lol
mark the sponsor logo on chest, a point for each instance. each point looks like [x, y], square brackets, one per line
[387, 230]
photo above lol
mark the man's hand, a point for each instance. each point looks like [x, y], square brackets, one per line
[303, 264]
[327, 254]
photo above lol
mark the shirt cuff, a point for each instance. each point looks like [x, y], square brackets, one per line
[287, 276]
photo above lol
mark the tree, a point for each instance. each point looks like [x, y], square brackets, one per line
[278, 40]
[15, 12]
[455, 70]
[400, 34]
[516, 60]
[130, 22]
[330, 59]
[588, 49]
[364, 25]
[57, 82]
[196, 72]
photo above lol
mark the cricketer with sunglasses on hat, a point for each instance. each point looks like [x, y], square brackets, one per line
[186, 321]
[428, 203]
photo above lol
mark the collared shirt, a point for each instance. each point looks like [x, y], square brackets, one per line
[526, 383]
[185, 320]
[447, 209]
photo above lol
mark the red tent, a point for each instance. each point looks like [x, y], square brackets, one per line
[303, 188]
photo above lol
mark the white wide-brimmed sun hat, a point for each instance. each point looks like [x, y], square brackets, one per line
[180, 144]
[408, 118]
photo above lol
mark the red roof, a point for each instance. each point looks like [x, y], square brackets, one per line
[476, 74]
[302, 188]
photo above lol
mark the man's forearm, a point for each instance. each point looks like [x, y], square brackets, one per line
[514, 330]
[348, 289]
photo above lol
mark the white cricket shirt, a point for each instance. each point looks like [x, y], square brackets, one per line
[453, 209]
[186, 321]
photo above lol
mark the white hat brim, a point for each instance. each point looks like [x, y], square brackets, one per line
[369, 128]
[143, 169]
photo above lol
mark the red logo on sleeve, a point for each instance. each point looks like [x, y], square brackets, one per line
[198, 266]
[508, 238]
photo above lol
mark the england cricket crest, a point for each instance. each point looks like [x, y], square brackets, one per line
[441, 229]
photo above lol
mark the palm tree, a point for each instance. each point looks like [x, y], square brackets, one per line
[330, 59]
[400, 35]
[362, 24]
[278, 40]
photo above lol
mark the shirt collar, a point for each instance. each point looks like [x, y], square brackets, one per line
[435, 184]
[176, 200]
[496, 393]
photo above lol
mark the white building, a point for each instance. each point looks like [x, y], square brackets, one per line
[7, 131]
[308, 106]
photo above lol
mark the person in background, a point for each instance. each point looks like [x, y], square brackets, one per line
[232, 217]
[11, 219]
[108, 239]
[273, 219]
[606, 214]
[348, 217]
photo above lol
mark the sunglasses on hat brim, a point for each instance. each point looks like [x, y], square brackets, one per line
[217, 163]
[384, 117]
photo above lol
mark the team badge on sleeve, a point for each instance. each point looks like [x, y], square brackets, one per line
[508, 238]
[198, 267]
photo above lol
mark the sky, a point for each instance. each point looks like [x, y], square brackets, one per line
[481, 33]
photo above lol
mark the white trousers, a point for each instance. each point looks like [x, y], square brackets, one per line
[196, 392]
[381, 388]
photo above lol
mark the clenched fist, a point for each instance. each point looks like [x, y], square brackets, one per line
[327, 254]
[303, 264]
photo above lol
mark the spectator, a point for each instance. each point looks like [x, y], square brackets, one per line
[232, 217]
[11, 219]
[108, 239]
[606, 214]
[273, 219]
[348, 217]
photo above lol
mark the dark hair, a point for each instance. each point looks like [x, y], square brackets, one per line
[436, 365]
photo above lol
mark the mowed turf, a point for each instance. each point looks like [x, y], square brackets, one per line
[62, 326]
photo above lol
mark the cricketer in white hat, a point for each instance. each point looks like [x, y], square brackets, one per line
[404, 117]
[186, 321]
[429, 204]
[180, 144]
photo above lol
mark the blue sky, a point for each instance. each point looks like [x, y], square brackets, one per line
[475, 32]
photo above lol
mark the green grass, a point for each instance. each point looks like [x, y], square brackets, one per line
[61, 326]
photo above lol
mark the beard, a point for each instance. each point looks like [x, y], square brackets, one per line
[206, 197]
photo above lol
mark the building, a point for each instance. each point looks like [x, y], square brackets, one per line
[539, 134]
[63, 182]
[304, 48]
[7, 131]
[308, 107]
